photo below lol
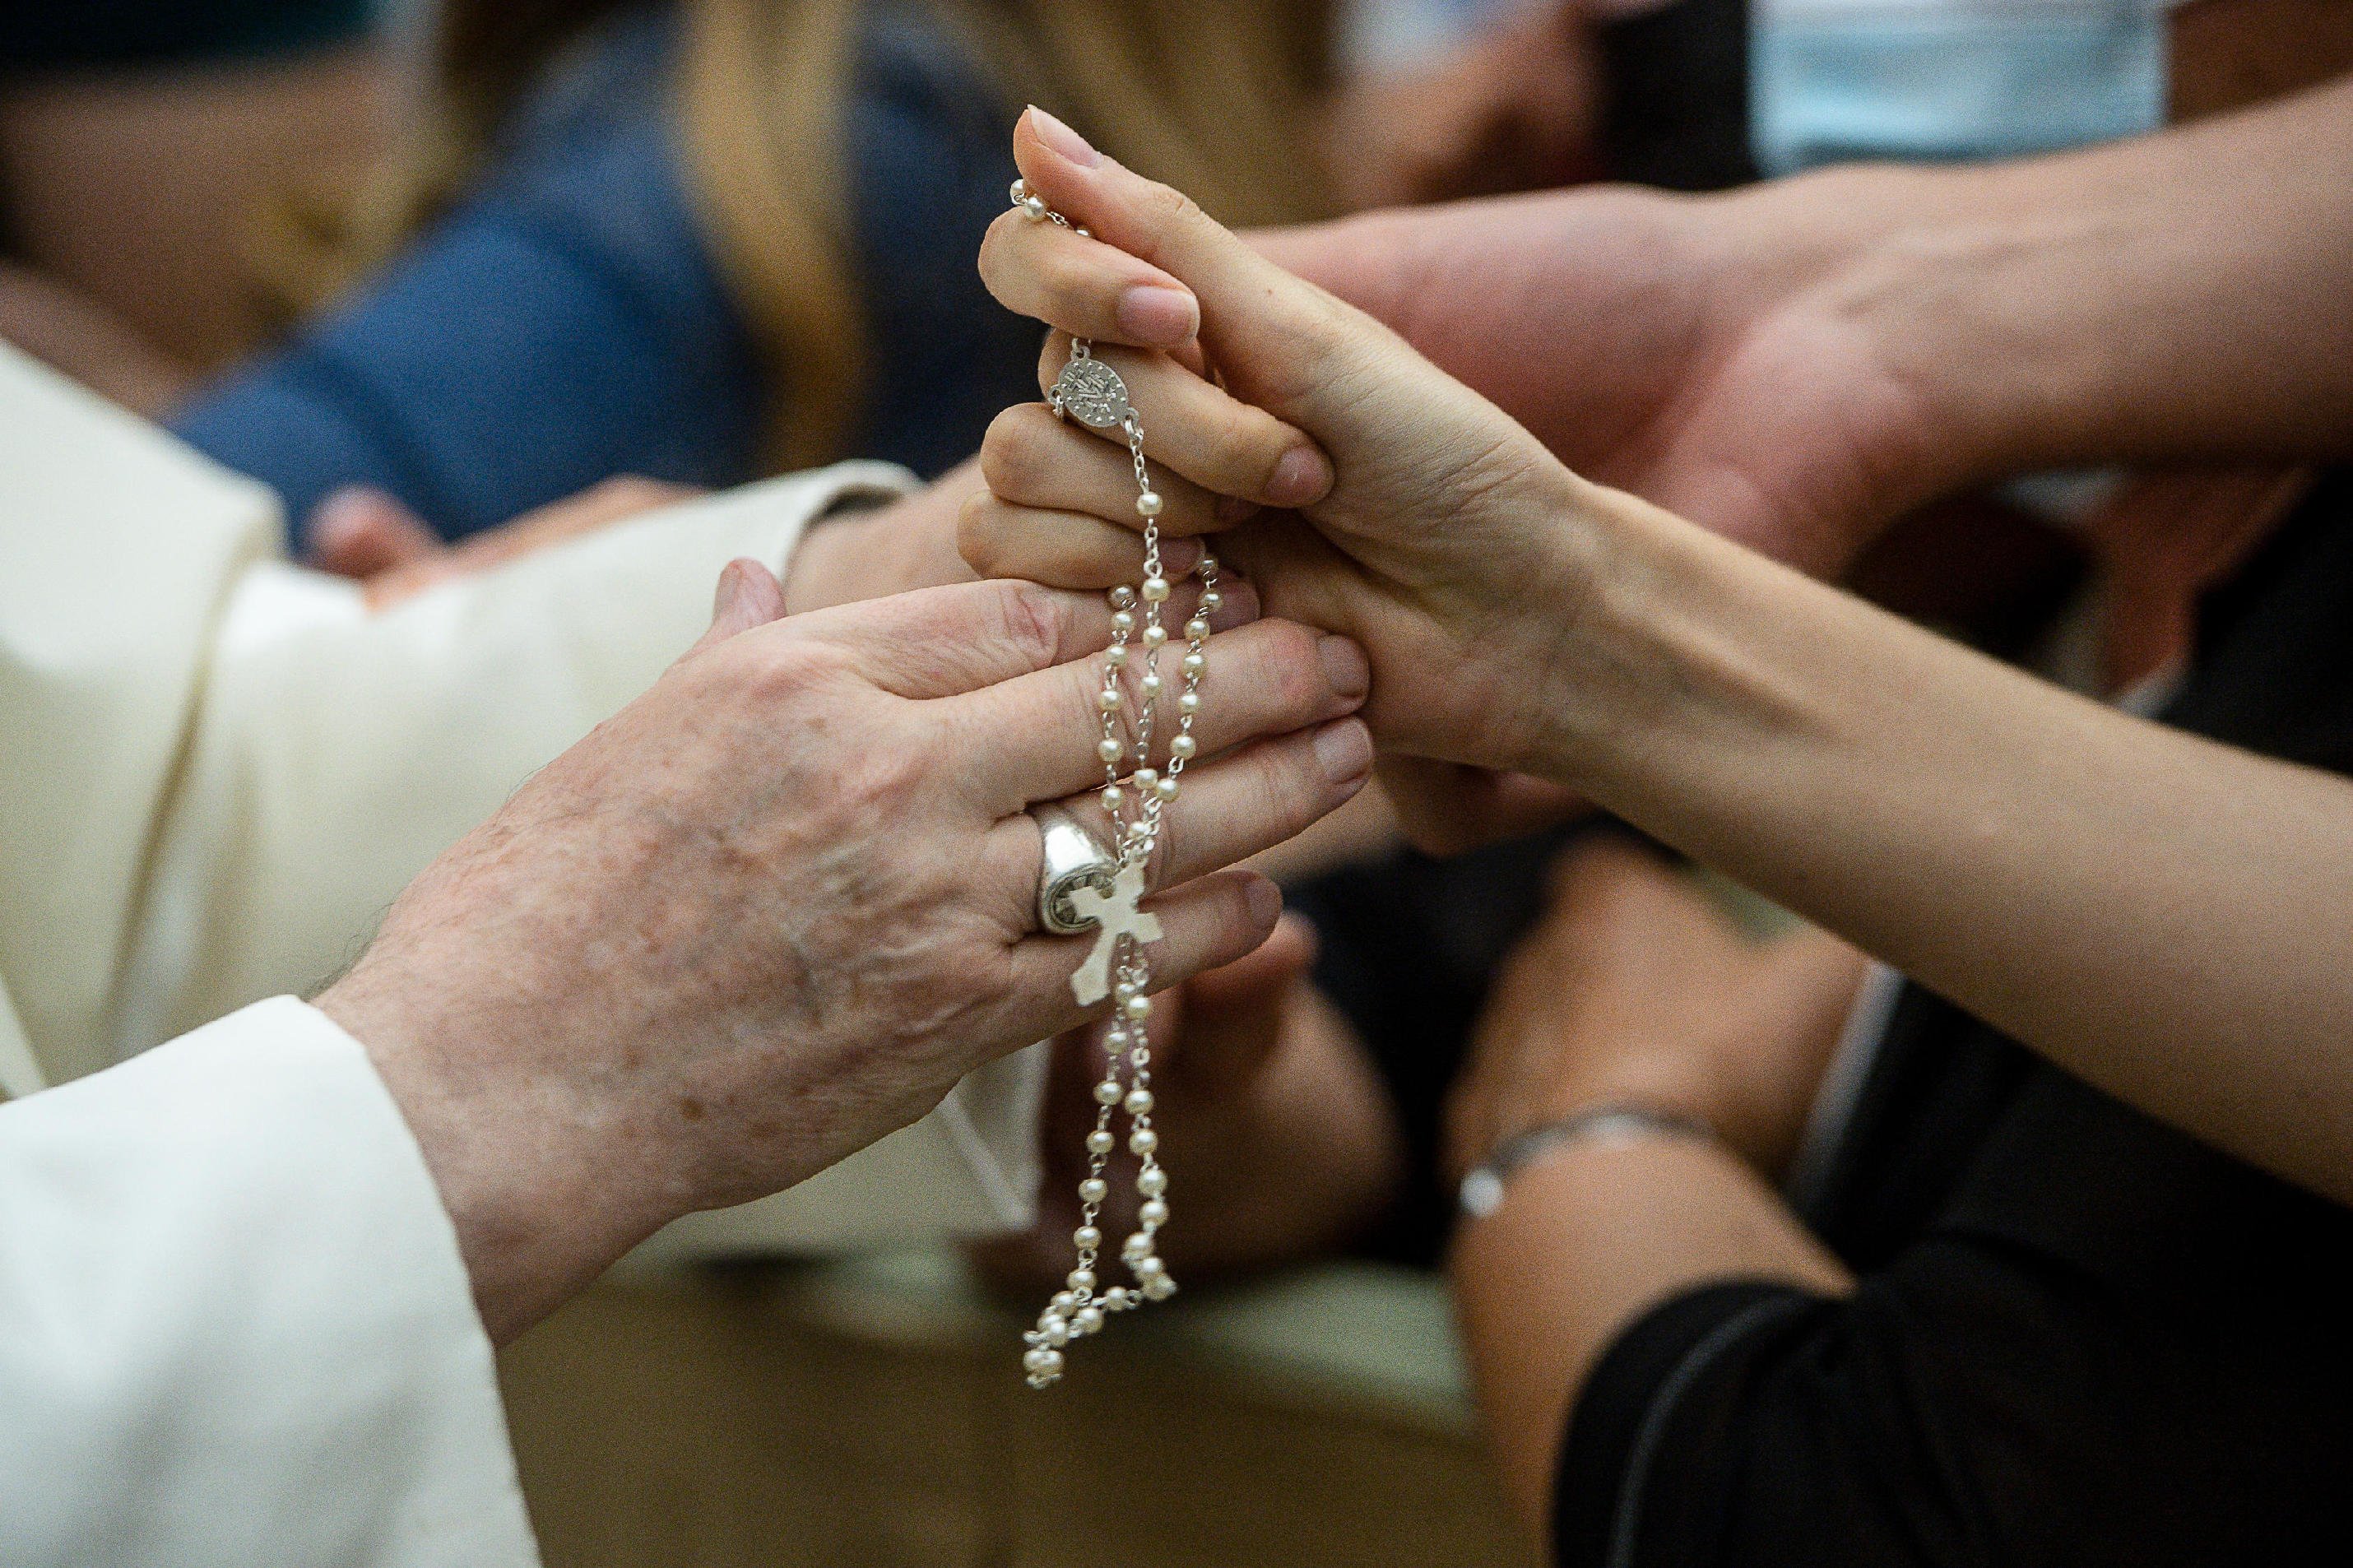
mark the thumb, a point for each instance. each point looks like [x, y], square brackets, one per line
[748, 595]
[1253, 311]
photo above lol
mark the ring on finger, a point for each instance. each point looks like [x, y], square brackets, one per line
[1074, 858]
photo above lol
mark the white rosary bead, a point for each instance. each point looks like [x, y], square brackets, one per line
[1196, 629]
[1043, 1362]
[1123, 597]
[1108, 1091]
[1207, 567]
[1136, 1246]
[1166, 788]
[1149, 1267]
[1122, 621]
[1083, 1280]
[1056, 1327]
[1183, 746]
[1139, 1102]
[1189, 704]
[1211, 600]
[1115, 656]
[1147, 777]
[1142, 1141]
[1108, 700]
[1154, 634]
[1100, 1141]
[1086, 1238]
[1093, 1190]
[1152, 1182]
[1156, 589]
[1194, 664]
[1088, 1320]
[1116, 1298]
[1113, 797]
[1151, 684]
[1153, 1215]
[1148, 504]
[1137, 1008]
[1110, 751]
[1159, 1288]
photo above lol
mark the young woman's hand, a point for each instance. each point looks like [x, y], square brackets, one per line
[1429, 525]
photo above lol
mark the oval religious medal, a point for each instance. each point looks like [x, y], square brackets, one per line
[1092, 393]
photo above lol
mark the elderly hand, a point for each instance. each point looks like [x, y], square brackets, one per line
[780, 904]
[1637, 989]
[1290, 1145]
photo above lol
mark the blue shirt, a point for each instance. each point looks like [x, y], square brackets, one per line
[567, 323]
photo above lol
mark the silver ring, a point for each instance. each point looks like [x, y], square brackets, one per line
[1074, 858]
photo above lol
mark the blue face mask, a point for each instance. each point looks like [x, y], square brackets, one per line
[1941, 80]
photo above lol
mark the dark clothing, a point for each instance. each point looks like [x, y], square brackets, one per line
[73, 34]
[2078, 1337]
[1674, 96]
[567, 323]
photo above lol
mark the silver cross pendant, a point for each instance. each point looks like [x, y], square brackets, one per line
[1118, 911]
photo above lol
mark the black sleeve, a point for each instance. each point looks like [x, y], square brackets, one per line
[2153, 1373]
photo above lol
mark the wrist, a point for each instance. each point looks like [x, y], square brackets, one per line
[1603, 1123]
[538, 1206]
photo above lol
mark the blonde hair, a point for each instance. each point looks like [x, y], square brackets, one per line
[1212, 96]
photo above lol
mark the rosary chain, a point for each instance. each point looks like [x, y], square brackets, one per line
[1133, 799]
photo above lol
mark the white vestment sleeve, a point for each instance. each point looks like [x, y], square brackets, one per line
[235, 1327]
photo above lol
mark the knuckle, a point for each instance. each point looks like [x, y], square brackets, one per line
[1011, 455]
[1034, 621]
[1075, 287]
[980, 539]
[787, 670]
[1293, 672]
[1239, 447]
[1170, 208]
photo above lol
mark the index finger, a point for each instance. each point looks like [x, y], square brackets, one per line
[1055, 273]
[942, 642]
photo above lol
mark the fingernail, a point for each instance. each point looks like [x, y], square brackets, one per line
[1265, 901]
[1300, 477]
[1241, 606]
[1344, 666]
[1062, 138]
[1345, 749]
[1157, 314]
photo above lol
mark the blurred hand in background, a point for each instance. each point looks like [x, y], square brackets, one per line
[1290, 1150]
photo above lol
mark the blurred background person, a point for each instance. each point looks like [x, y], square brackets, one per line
[150, 150]
[706, 240]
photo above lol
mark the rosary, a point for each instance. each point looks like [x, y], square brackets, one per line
[1106, 894]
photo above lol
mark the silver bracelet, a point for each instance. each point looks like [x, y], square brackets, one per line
[1482, 1192]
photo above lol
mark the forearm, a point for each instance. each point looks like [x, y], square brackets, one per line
[2179, 297]
[1584, 1244]
[2161, 915]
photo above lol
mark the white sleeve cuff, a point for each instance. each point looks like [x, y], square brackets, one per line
[235, 1327]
